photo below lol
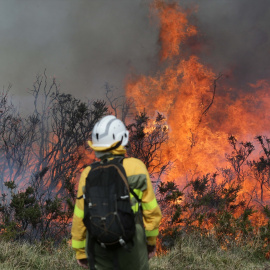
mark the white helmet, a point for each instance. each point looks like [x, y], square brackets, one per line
[108, 131]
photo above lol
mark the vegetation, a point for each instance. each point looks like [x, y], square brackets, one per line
[211, 223]
[196, 252]
[216, 207]
[40, 255]
[191, 252]
[40, 156]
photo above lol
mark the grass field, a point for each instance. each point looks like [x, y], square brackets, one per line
[192, 252]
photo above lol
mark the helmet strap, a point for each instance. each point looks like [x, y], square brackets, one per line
[113, 147]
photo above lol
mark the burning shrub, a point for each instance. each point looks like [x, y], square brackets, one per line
[146, 140]
[217, 205]
[40, 156]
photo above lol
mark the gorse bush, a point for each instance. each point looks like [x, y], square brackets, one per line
[40, 156]
[217, 205]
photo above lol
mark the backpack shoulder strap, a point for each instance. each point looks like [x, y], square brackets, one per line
[93, 165]
[116, 160]
[119, 160]
[135, 195]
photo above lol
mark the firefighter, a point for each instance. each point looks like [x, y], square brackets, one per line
[109, 138]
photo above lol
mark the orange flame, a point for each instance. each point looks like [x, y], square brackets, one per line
[200, 114]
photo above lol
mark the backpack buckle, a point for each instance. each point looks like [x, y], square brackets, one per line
[122, 242]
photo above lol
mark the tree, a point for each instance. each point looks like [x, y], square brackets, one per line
[40, 157]
[239, 156]
[120, 105]
[261, 168]
[146, 140]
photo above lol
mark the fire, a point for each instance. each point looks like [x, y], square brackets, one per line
[174, 30]
[201, 110]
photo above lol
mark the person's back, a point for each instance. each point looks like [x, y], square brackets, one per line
[109, 137]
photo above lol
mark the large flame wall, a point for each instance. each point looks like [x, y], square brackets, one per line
[202, 108]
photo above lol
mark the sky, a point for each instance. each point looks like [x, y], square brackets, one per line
[86, 44]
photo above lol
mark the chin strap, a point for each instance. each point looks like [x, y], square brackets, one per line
[114, 146]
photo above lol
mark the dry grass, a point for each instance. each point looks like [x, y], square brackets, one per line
[197, 253]
[37, 256]
[192, 252]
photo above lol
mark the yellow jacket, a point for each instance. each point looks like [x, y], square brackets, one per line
[139, 181]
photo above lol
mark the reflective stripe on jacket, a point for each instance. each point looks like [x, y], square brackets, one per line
[139, 181]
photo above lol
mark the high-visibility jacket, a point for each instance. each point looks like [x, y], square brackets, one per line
[139, 181]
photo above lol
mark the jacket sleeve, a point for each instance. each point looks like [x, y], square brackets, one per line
[78, 230]
[139, 179]
[151, 212]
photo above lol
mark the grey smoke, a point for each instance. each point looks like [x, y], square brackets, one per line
[83, 43]
[235, 34]
[88, 43]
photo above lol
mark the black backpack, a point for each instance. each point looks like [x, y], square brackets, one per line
[108, 216]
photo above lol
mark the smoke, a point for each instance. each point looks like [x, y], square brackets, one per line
[84, 44]
[234, 37]
[88, 43]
